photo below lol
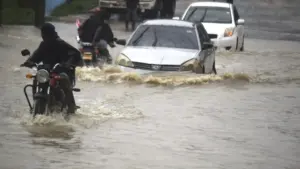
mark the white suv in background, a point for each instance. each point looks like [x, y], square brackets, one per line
[221, 21]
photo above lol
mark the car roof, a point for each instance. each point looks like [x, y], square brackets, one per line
[211, 4]
[169, 22]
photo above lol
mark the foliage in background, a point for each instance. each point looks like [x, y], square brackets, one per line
[74, 7]
[13, 14]
[18, 15]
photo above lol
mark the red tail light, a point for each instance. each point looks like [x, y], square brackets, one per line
[53, 79]
[78, 23]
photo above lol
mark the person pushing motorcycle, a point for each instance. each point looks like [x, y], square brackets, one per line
[53, 50]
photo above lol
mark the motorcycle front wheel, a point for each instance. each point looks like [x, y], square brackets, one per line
[39, 107]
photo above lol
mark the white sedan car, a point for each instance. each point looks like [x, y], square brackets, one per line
[222, 22]
[168, 45]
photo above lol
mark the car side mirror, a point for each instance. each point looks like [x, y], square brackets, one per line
[241, 22]
[207, 45]
[176, 18]
[212, 36]
[121, 42]
[25, 52]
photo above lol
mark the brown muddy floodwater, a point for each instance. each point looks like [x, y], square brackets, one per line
[247, 117]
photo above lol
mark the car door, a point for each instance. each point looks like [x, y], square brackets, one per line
[209, 53]
[239, 28]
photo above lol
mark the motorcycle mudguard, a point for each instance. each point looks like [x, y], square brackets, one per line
[40, 96]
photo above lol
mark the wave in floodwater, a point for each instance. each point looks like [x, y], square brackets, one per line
[113, 74]
[91, 113]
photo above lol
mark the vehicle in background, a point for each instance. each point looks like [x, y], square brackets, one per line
[168, 45]
[222, 22]
[148, 8]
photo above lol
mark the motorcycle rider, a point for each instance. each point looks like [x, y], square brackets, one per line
[89, 26]
[53, 50]
[104, 36]
[97, 31]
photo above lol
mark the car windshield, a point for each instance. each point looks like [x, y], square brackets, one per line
[209, 14]
[165, 36]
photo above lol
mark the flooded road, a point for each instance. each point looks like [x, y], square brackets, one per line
[247, 117]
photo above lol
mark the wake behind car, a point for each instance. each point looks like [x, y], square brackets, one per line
[168, 45]
[222, 22]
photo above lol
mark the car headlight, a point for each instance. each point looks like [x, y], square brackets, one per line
[122, 60]
[190, 65]
[228, 32]
[42, 76]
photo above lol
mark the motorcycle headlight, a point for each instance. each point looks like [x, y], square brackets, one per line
[228, 32]
[42, 76]
[122, 60]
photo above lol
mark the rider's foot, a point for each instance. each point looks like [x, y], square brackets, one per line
[109, 60]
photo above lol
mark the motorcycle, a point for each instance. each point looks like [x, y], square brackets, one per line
[91, 55]
[46, 91]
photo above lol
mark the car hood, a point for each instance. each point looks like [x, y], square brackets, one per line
[215, 28]
[159, 55]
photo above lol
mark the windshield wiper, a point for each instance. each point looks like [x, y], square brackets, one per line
[201, 20]
[139, 38]
[191, 14]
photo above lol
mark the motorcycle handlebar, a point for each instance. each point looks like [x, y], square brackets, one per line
[29, 64]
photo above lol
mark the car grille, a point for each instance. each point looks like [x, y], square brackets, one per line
[213, 36]
[170, 68]
[139, 65]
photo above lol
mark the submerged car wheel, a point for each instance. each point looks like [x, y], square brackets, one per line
[242, 47]
[237, 45]
[199, 69]
[214, 68]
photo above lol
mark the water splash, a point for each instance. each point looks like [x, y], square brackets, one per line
[115, 75]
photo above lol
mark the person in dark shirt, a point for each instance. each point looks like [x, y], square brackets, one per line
[228, 1]
[87, 30]
[53, 50]
[131, 13]
[167, 8]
